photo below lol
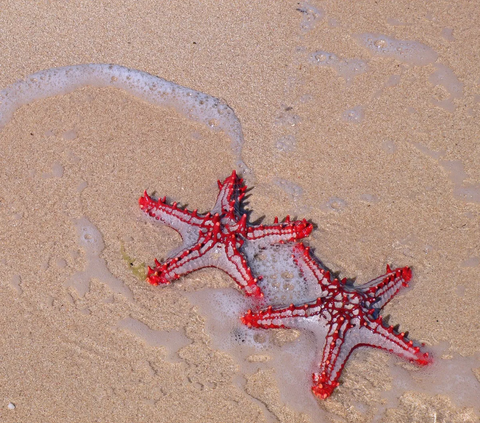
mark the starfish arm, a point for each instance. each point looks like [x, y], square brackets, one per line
[184, 262]
[186, 223]
[382, 289]
[271, 318]
[335, 353]
[207, 254]
[342, 339]
[375, 334]
[279, 232]
[232, 192]
[232, 262]
[312, 271]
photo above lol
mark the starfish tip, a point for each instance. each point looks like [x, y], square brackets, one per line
[143, 201]
[424, 359]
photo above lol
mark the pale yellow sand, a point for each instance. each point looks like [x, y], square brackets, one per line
[401, 186]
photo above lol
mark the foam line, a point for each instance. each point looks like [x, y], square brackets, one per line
[195, 105]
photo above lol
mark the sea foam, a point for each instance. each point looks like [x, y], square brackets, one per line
[406, 51]
[195, 105]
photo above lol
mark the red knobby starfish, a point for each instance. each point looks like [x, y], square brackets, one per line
[345, 316]
[216, 239]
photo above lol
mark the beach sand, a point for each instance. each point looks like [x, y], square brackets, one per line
[381, 153]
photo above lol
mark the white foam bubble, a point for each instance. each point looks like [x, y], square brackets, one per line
[311, 15]
[287, 117]
[294, 190]
[57, 171]
[345, 68]
[195, 105]
[81, 186]
[412, 52]
[91, 241]
[172, 340]
[462, 190]
[389, 146]
[369, 198]
[223, 308]
[335, 204]
[69, 135]
[16, 282]
[286, 143]
[471, 262]
[447, 33]
[259, 349]
[354, 115]
[393, 80]
[444, 77]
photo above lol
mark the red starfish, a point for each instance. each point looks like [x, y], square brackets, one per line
[216, 239]
[346, 316]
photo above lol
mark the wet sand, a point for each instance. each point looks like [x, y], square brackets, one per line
[375, 145]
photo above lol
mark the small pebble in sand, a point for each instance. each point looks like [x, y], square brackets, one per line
[11, 406]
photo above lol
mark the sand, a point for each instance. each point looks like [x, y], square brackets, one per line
[378, 146]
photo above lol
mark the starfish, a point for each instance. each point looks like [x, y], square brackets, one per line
[346, 316]
[215, 239]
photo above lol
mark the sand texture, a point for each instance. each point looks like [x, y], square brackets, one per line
[362, 117]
